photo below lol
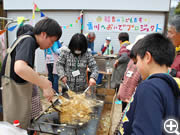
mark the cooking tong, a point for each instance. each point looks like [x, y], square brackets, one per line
[86, 89]
[52, 104]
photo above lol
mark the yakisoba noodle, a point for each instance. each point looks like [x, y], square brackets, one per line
[75, 110]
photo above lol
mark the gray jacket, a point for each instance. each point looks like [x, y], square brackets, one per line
[118, 73]
[67, 63]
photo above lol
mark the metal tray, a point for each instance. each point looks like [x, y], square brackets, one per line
[49, 123]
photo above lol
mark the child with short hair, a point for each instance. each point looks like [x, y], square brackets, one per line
[156, 97]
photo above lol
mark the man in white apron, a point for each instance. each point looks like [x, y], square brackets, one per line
[18, 74]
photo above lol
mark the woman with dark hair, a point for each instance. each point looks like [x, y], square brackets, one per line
[78, 44]
[24, 29]
[73, 62]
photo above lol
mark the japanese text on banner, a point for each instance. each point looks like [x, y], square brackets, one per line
[125, 24]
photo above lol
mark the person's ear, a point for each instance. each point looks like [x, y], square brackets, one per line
[43, 34]
[148, 57]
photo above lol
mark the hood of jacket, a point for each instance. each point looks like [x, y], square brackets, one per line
[170, 80]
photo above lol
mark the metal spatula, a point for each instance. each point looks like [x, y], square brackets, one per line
[64, 90]
[67, 86]
[51, 105]
[59, 100]
[86, 89]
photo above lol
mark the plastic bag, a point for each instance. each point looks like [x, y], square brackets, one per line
[8, 129]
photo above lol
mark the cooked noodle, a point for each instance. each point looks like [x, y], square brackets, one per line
[75, 110]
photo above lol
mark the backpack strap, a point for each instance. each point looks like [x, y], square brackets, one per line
[9, 51]
[120, 124]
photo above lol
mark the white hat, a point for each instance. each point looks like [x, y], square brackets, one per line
[108, 38]
[129, 47]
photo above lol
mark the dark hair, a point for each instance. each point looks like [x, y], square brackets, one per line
[48, 25]
[78, 42]
[175, 22]
[24, 29]
[123, 36]
[160, 47]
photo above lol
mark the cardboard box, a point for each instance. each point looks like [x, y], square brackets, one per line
[105, 91]
[110, 92]
[109, 99]
[116, 112]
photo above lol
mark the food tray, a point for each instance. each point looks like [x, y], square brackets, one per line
[49, 123]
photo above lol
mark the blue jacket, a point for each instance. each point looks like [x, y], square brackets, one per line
[91, 46]
[55, 48]
[156, 99]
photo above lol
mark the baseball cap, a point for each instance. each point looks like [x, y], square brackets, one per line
[108, 38]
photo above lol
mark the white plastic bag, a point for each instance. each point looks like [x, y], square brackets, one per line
[8, 129]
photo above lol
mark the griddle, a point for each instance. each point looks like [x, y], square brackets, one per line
[49, 123]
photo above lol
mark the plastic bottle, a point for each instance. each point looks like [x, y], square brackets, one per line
[108, 66]
[16, 123]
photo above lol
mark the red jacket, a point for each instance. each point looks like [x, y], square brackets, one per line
[131, 80]
[123, 49]
[176, 64]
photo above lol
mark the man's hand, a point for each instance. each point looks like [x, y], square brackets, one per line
[48, 92]
[116, 63]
